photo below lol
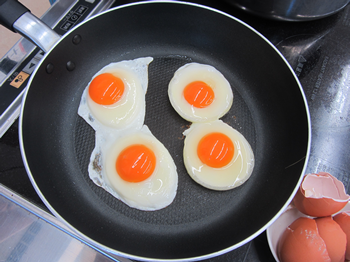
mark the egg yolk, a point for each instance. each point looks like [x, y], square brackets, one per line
[106, 89]
[215, 150]
[199, 94]
[136, 163]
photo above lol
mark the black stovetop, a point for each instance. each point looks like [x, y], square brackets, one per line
[318, 53]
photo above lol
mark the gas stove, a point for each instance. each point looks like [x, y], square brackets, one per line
[316, 50]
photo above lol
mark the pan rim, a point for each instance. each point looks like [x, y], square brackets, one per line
[100, 247]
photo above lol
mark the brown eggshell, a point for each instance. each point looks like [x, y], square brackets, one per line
[301, 242]
[320, 195]
[343, 220]
[333, 236]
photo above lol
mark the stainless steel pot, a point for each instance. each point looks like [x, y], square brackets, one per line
[291, 10]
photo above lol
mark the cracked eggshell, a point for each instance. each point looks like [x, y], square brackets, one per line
[301, 242]
[343, 220]
[277, 229]
[333, 236]
[320, 195]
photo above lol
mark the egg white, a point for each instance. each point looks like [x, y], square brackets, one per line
[230, 176]
[154, 193]
[211, 76]
[129, 111]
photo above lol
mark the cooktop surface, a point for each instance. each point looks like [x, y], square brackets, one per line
[318, 53]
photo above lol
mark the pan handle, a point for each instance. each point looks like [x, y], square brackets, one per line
[17, 18]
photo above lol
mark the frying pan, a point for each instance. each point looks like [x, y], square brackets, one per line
[269, 109]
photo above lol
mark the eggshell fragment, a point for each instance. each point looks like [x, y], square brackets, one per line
[320, 195]
[301, 242]
[333, 236]
[343, 220]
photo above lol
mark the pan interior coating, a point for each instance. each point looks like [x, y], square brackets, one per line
[268, 109]
[193, 202]
[167, 126]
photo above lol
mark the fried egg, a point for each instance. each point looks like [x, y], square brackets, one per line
[127, 161]
[115, 97]
[217, 156]
[200, 93]
[136, 168]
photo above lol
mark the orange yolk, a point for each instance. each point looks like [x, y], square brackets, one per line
[136, 163]
[215, 150]
[106, 89]
[199, 94]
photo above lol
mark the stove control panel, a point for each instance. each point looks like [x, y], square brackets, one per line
[19, 63]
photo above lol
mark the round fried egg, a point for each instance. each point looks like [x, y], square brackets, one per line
[217, 156]
[200, 93]
[135, 168]
[115, 97]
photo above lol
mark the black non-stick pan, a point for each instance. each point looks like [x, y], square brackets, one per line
[269, 109]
